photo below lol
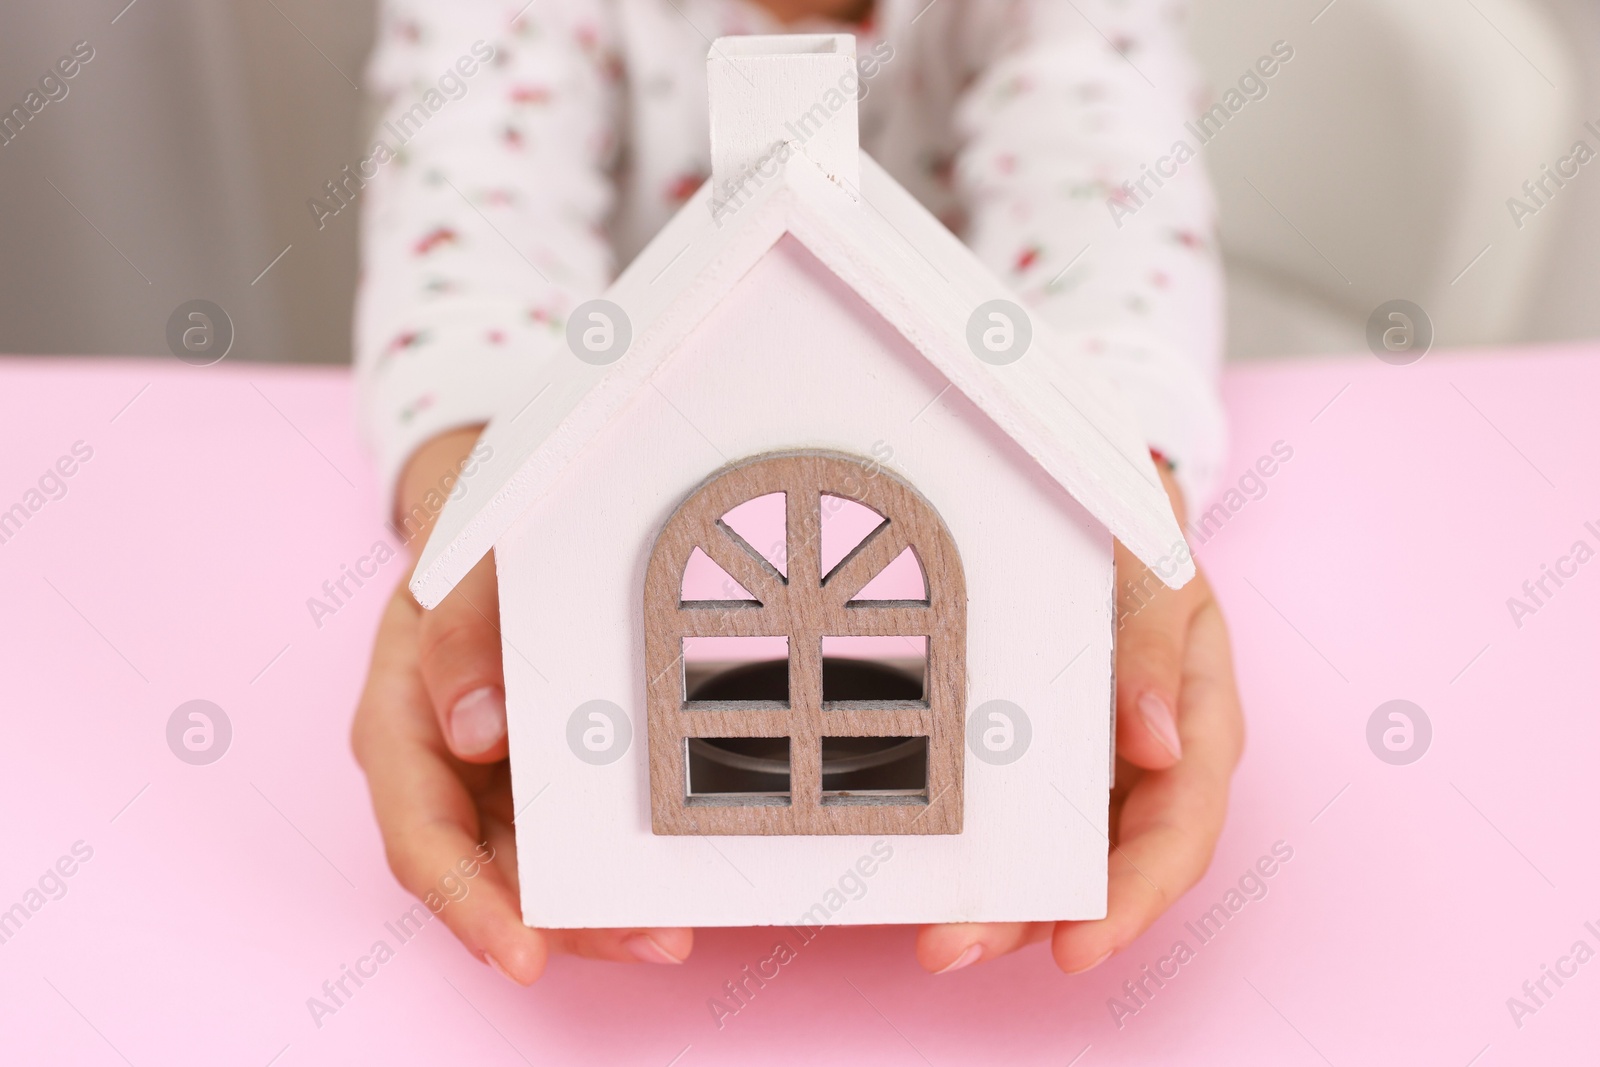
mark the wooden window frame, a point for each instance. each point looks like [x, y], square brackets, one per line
[806, 606]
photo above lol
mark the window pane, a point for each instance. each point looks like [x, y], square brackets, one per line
[704, 581]
[738, 770]
[874, 769]
[845, 525]
[763, 524]
[902, 579]
[870, 669]
[744, 669]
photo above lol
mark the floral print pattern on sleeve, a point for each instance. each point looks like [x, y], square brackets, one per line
[1021, 124]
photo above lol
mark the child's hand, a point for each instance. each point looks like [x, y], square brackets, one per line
[1171, 791]
[430, 731]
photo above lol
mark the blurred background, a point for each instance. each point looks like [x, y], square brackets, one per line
[179, 164]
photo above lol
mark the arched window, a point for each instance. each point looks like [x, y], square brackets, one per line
[807, 743]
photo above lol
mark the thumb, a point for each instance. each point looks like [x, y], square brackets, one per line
[459, 648]
[1152, 628]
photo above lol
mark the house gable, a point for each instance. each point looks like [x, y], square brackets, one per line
[904, 264]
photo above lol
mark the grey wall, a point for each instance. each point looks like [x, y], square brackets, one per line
[187, 148]
[189, 144]
[1567, 300]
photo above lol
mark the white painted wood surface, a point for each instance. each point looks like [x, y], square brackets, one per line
[897, 257]
[793, 358]
[797, 90]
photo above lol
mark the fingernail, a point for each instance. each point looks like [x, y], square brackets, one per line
[503, 972]
[647, 949]
[1095, 964]
[478, 721]
[966, 959]
[1159, 718]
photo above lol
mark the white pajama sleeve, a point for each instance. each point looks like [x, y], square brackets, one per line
[487, 224]
[1074, 100]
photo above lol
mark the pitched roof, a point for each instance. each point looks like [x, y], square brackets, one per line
[904, 264]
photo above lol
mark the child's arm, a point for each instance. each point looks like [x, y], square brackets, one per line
[1074, 100]
[475, 235]
[487, 225]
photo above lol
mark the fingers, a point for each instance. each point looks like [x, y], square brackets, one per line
[462, 668]
[428, 819]
[1172, 818]
[487, 918]
[668, 945]
[453, 850]
[948, 947]
[1152, 630]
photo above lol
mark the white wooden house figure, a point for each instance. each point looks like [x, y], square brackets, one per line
[804, 341]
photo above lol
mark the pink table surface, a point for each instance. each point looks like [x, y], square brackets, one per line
[219, 898]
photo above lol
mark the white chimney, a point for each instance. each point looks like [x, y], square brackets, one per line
[798, 89]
